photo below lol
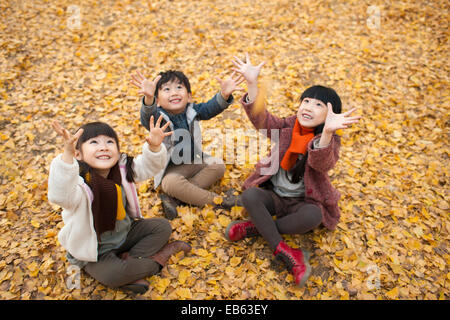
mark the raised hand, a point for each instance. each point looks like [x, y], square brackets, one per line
[157, 134]
[146, 87]
[229, 85]
[247, 70]
[335, 121]
[70, 141]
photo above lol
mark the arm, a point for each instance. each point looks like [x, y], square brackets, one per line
[146, 88]
[148, 111]
[213, 107]
[63, 187]
[254, 101]
[264, 119]
[154, 154]
[221, 100]
[323, 159]
[149, 163]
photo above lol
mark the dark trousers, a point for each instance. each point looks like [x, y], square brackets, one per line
[145, 238]
[294, 215]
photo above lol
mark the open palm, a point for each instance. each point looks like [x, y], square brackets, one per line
[336, 121]
[249, 71]
[157, 134]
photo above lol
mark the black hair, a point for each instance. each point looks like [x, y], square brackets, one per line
[171, 75]
[325, 95]
[95, 129]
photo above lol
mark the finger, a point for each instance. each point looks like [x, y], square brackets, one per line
[247, 58]
[239, 89]
[56, 125]
[330, 107]
[135, 78]
[261, 64]
[166, 134]
[240, 80]
[76, 136]
[140, 75]
[158, 123]
[151, 123]
[349, 111]
[137, 84]
[166, 125]
[218, 80]
[238, 70]
[350, 122]
[156, 80]
[356, 118]
[66, 134]
[238, 61]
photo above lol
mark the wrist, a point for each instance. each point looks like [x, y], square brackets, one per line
[224, 95]
[148, 99]
[327, 130]
[154, 148]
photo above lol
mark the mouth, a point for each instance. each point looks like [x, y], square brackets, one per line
[175, 101]
[306, 116]
[103, 157]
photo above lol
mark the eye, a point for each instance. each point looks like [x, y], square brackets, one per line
[110, 141]
[306, 100]
[93, 142]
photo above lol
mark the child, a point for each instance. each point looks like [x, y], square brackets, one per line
[299, 193]
[104, 231]
[188, 171]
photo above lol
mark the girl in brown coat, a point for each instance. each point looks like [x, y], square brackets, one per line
[293, 181]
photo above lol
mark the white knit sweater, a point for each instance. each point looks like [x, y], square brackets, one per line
[68, 190]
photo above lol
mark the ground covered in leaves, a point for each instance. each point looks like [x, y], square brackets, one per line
[73, 64]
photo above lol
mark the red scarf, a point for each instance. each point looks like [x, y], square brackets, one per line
[301, 136]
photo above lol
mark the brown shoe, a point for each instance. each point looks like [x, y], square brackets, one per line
[139, 286]
[169, 249]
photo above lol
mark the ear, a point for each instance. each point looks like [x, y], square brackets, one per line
[189, 97]
[78, 155]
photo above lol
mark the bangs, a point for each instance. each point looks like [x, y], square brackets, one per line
[325, 95]
[95, 129]
[176, 76]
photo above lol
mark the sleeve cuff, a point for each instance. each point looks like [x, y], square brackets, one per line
[147, 152]
[145, 105]
[222, 102]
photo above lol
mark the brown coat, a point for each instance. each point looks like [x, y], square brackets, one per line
[318, 188]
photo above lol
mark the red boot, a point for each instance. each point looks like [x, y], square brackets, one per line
[238, 230]
[296, 261]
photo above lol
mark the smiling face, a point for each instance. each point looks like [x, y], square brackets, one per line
[311, 113]
[173, 96]
[101, 153]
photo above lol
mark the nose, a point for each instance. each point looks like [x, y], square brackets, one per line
[307, 107]
[103, 146]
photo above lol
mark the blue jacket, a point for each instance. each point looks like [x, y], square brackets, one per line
[185, 144]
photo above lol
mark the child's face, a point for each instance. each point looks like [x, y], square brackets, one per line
[173, 97]
[311, 113]
[100, 153]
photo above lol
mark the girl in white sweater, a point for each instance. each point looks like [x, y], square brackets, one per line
[104, 231]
